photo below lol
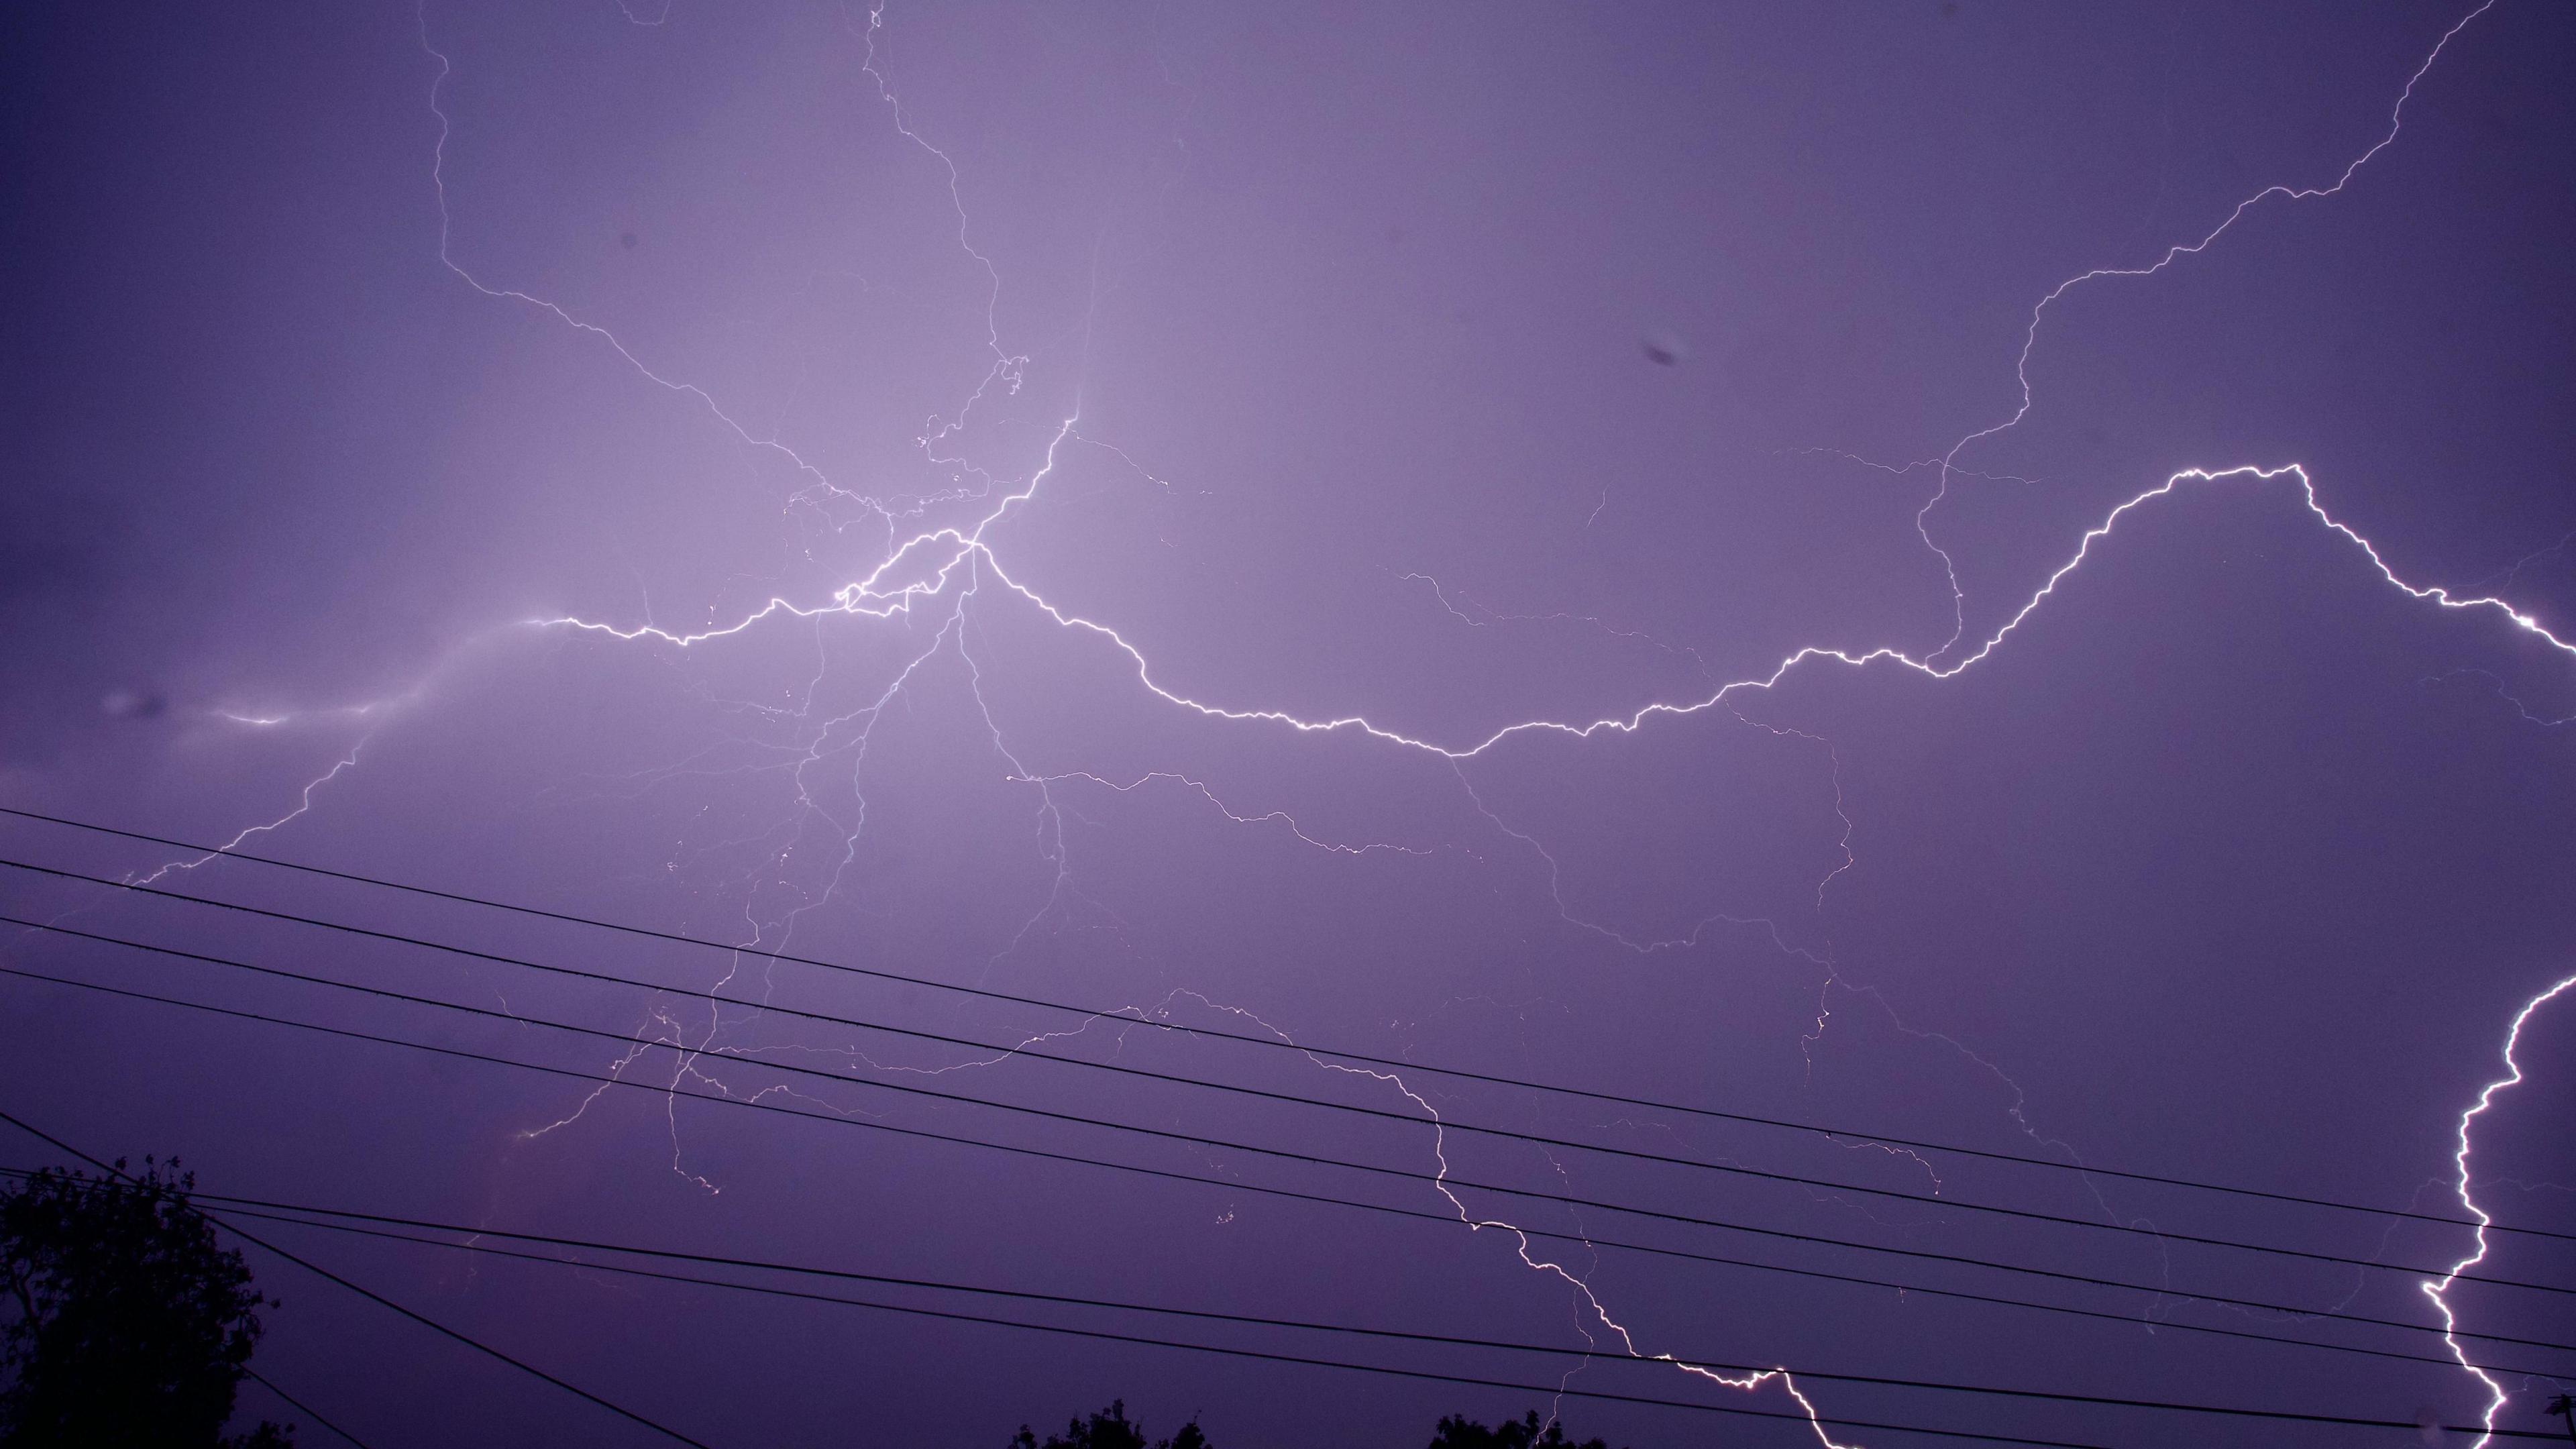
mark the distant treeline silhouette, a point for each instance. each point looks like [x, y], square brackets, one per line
[1110, 1428]
[125, 1324]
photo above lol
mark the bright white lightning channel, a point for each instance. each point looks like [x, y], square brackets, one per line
[2439, 1290]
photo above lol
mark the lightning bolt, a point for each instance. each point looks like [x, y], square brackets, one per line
[1526, 1251]
[2439, 1290]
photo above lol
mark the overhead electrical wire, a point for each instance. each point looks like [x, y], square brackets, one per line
[298, 1405]
[349, 1220]
[353, 1222]
[1827, 1184]
[618, 1080]
[1458, 1073]
[1297, 1359]
[1442, 1179]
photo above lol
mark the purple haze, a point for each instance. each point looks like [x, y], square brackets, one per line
[387, 396]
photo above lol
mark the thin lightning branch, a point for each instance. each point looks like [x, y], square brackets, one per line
[374, 714]
[1279, 817]
[447, 259]
[1008, 368]
[303, 803]
[2512, 571]
[2496, 683]
[1441, 592]
[956, 192]
[1050, 819]
[1900, 470]
[1523, 1246]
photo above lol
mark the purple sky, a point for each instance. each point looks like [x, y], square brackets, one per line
[1137, 506]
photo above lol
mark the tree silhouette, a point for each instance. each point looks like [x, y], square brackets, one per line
[1110, 1429]
[1460, 1432]
[127, 1325]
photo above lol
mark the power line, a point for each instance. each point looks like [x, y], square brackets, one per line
[1459, 1073]
[265, 1382]
[1367, 1368]
[1442, 1179]
[2411, 1425]
[370, 1295]
[1100, 1334]
[2343, 1260]
[1296, 1195]
[271, 1211]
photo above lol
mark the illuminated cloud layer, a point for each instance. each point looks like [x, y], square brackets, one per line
[1373, 534]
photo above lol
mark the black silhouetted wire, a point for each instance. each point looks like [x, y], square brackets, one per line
[1271, 1357]
[350, 1221]
[1448, 1340]
[1827, 1184]
[370, 1295]
[1441, 1179]
[616, 1079]
[298, 1405]
[301, 1215]
[1458, 1073]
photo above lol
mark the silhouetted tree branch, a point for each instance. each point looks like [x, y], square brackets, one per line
[128, 1324]
[1109, 1429]
[1112, 1429]
[1460, 1432]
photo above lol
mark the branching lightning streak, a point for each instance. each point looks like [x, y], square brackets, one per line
[1523, 1246]
[373, 713]
[857, 598]
[303, 803]
[2438, 1290]
[2496, 683]
[447, 259]
[1441, 592]
[1279, 817]
[1006, 365]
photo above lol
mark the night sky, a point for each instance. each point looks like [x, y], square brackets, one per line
[2000, 576]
